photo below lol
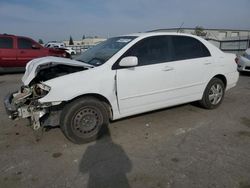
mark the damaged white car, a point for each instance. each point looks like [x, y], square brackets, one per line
[120, 77]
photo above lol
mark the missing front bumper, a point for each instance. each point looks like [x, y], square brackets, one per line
[24, 111]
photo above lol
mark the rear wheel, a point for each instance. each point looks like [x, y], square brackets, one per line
[213, 94]
[84, 120]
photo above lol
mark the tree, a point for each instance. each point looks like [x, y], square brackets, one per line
[180, 30]
[199, 31]
[71, 41]
[40, 41]
[83, 37]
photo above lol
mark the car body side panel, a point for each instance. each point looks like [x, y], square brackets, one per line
[225, 65]
[8, 56]
[140, 86]
[25, 55]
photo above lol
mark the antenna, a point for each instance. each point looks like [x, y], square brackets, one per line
[180, 27]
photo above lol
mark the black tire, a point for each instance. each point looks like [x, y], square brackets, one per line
[84, 120]
[210, 100]
[68, 55]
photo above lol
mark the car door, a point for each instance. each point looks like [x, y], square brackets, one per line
[27, 50]
[147, 86]
[8, 53]
[192, 64]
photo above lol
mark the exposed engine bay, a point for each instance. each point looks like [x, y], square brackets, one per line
[24, 103]
[50, 71]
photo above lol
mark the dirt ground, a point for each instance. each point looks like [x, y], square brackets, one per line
[180, 147]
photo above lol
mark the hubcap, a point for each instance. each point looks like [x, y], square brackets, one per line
[86, 121]
[215, 94]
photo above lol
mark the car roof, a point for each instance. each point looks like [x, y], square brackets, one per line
[149, 34]
[10, 35]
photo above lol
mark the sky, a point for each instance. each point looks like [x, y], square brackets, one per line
[59, 19]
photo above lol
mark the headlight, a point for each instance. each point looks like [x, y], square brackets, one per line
[40, 90]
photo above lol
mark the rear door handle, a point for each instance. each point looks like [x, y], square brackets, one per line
[167, 68]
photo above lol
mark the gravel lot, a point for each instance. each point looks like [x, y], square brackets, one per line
[179, 147]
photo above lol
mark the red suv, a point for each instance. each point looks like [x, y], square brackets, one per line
[17, 51]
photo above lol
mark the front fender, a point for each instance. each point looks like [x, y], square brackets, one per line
[68, 87]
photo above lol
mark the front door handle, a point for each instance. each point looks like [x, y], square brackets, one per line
[207, 63]
[167, 68]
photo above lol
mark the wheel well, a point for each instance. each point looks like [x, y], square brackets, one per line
[100, 98]
[222, 78]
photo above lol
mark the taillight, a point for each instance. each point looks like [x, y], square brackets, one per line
[236, 60]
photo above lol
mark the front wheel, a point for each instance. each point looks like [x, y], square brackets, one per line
[84, 120]
[213, 94]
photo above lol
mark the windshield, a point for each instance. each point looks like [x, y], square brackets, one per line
[102, 52]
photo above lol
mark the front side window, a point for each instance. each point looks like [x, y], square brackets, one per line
[103, 51]
[151, 50]
[188, 48]
[24, 43]
[6, 43]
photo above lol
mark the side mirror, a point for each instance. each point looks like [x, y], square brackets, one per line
[34, 46]
[129, 61]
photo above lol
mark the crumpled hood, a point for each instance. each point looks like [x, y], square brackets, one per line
[33, 66]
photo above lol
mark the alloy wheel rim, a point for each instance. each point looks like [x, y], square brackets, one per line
[215, 94]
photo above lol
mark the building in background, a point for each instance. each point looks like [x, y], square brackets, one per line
[228, 40]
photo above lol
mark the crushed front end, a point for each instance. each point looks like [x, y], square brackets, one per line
[24, 104]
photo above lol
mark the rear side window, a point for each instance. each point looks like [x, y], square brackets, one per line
[188, 48]
[24, 43]
[6, 42]
[151, 50]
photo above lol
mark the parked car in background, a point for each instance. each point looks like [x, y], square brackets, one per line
[244, 61]
[70, 51]
[54, 44]
[17, 51]
[120, 77]
[62, 46]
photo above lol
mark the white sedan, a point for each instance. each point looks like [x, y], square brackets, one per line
[120, 77]
[70, 50]
[244, 61]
